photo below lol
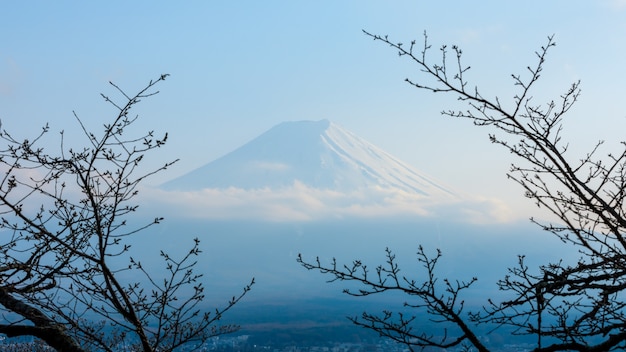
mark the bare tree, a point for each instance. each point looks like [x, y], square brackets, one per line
[64, 255]
[575, 306]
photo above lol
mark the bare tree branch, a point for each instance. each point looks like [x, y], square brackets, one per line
[66, 216]
[567, 306]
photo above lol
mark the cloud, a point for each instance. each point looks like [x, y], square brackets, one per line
[617, 4]
[269, 166]
[302, 203]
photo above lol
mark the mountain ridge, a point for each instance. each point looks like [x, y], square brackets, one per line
[319, 154]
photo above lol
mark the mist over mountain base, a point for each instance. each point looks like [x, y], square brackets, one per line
[289, 303]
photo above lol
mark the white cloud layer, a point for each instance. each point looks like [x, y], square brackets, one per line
[302, 203]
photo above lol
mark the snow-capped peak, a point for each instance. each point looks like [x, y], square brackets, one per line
[318, 154]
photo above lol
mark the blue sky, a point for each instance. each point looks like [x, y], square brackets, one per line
[240, 67]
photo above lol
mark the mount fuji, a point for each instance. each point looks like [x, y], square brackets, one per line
[318, 154]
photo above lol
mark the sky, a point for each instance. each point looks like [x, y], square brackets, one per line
[240, 67]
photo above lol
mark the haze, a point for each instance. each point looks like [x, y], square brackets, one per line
[238, 68]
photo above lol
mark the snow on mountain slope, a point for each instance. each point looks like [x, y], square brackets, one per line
[318, 154]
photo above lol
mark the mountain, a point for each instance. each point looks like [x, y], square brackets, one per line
[318, 154]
